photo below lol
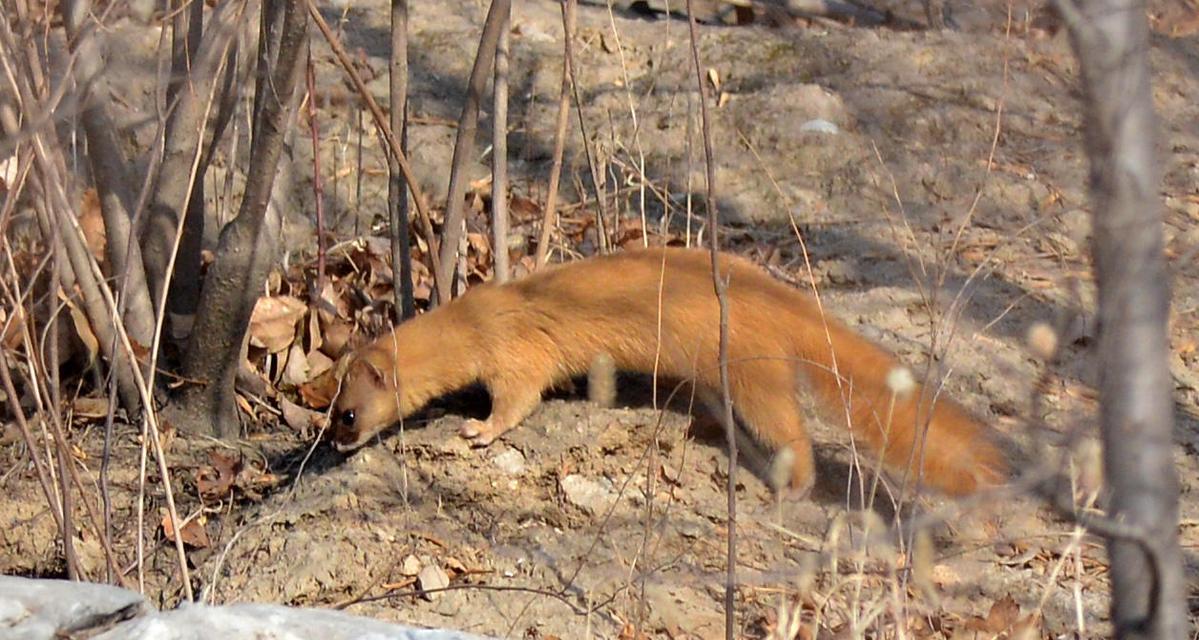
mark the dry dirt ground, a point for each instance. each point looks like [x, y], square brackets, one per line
[955, 175]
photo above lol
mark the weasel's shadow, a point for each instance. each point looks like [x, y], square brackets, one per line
[836, 482]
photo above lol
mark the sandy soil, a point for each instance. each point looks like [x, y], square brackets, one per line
[611, 522]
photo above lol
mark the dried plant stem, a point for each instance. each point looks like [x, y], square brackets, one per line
[397, 152]
[468, 120]
[107, 164]
[592, 166]
[318, 190]
[720, 287]
[550, 219]
[43, 476]
[499, 154]
[642, 180]
[149, 416]
[397, 193]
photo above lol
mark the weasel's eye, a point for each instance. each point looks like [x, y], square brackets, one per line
[347, 418]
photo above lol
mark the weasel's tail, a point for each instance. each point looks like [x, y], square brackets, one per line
[952, 451]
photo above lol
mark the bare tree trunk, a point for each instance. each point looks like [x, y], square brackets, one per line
[108, 168]
[248, 245]
[1137, 410]
[196, 68]
[397, 192]
[468, 121]
[52, 212]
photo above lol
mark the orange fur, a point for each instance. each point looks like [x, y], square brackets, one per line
[520, 338]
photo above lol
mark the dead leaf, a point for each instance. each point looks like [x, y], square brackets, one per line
[273, 322]
[479, 242]
[91, 221]
[337, 336]
[193, 533]
[714, 78]
[315, 336]
[244, 405]
[258, 482]
[318, 363]
[300, 419]
[1003, 614]
[318, 392]
[90, 408]
[140, 351]
[83, 328]
[296, 372]
[216, 479]
[454, 565]
[11, 327]
[520, 205]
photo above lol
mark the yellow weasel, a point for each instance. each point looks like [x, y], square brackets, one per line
[656, 308]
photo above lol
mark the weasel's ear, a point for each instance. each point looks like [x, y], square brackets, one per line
[376, 374]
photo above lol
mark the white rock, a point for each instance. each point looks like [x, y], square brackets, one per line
[590, 495]
[410, 566]
[431, 578]
[820, 125]
[510, 461]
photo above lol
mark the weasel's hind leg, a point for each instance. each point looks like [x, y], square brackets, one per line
[766, 400]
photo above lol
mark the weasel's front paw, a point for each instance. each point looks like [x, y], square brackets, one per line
[480, 433]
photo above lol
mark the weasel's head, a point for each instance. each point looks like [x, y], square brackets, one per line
[367, 403]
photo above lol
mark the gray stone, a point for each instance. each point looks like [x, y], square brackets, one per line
[36, 609]
[267, 622]
[587, 494]
[47, 609]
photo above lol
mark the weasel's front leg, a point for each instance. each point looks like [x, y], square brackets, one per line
[512, 400]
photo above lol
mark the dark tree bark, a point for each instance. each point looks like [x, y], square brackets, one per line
[1137, 411]
[108, 165]
[248, 246]
[199, 61]
[54, 211]
[467, 123]
[397, 192]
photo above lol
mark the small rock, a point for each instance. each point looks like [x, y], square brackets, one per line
[839, 272]
[820, 125]
[450, 604]
[510, 461]
[430, 579]
[691, 529]
[1188, 245]
[410, 566]
[587, 494]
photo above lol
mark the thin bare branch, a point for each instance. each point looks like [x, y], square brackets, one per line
[550, 220]
[397, 189]
[468, 120]
[393, 144]
[499, 155]
[720, 286]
